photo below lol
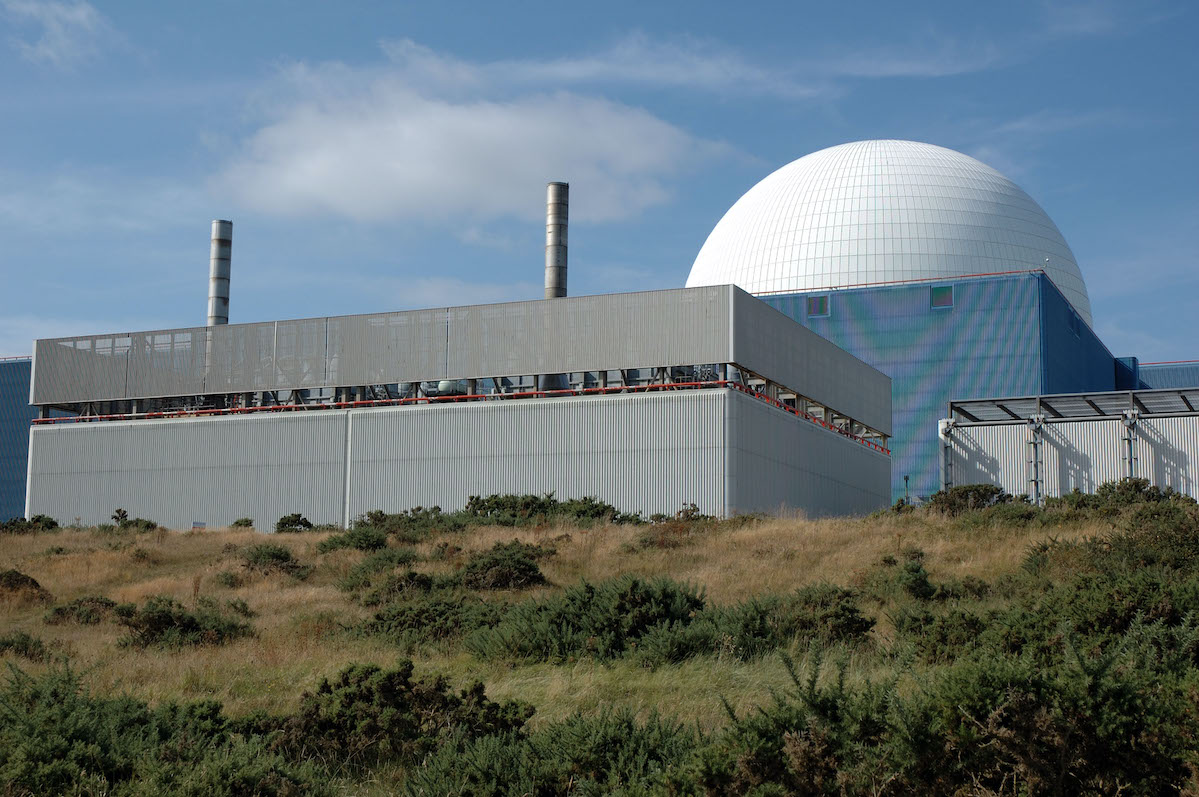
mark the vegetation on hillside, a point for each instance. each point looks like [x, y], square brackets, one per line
[977, 645]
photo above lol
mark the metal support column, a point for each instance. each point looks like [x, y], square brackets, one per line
[946, 434]
[1130, 438]
[1035, 439]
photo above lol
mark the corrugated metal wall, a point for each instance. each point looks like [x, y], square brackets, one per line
[1165, 375]
[649, 453]
[179, 472]
[1078, 454]
[777, 464]
[644, 453]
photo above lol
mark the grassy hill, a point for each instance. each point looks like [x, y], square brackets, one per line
[983, 646]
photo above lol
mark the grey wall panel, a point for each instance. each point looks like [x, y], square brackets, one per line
[241, 358]
[780, 462]
[1079, 454]
[167, 363]
[769, 343]
[644, 453]
[301, 349]
[388, 347]
[588, 333]
[211, 470]
[90, 368]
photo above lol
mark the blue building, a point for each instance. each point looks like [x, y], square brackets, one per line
[1011, 335]
[930, 266]
[15, 417]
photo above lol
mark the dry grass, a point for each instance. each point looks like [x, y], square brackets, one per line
[298, 624]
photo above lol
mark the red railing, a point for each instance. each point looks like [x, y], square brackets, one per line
[590, 391]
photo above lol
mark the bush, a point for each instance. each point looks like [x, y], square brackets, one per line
[362, 575]
[16, 586]
[293, 523]
[270, 558]
[125, 523]
[524, 510]
[360, 539]
[35, 525]
[820, 613]
[164, 622]
[242, 523]
[414, 525]
[437, 616]
[55, 738]
[966, 498]
[405, 585]
[228, 579]
[610, 753]
[22, 644]
[587, 620]
[88, 610]
[511, 565]
[367, 715]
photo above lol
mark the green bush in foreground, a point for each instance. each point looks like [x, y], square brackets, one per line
[507, 565]
[368, 714]
[35, 525]
[164, 622]
[88, 610]
[292, 523]
[360, 539]
[270, 558]
[20, 643]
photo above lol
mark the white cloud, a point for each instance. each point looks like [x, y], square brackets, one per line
[686, 63]
[436, 142]
[71, 33]
[938, 56]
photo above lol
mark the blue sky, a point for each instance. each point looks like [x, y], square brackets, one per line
[380, 156]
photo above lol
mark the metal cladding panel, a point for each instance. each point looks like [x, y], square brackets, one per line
[388, 347]
[778, 462]
[1078, 454]
[301, 348]
[178, 472]
[240, 358]
[167, 363]
[1073, 358]
[15, 415]
[987, 344]
[589, 333]
[642, 453]
[773, 345]
[1166, 375]
[1168, 452]
[92, 368]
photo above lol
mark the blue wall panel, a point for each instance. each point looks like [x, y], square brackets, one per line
[1075, 360]
[1159, 376]
[15, 415]
[987, 344]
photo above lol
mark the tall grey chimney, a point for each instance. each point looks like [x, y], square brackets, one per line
[218, 272]
[557, 205]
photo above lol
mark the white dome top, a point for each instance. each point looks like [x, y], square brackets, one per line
[882, 211]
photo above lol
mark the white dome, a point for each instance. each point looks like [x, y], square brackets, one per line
[882, 211]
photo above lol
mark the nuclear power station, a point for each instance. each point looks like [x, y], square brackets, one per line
[874, 320]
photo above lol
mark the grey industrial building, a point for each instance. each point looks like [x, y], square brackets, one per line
[646, 400]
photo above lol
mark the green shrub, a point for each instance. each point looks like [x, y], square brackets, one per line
[293, 523]
[20, 643]
[164, 622]
[437, 616]
[367, 714]
[511, 565]
[821, 613]
[413, 525]
[405, 585]
[365, 573]
[55, 738]
[242, 523]
[89, 610]
[228, 579]
[524, 510]
[239, 607]
[35, 525]
[966, 498]
[360, 539]
[612, 753]
[587, 620]
[270, 558]
[15, 585]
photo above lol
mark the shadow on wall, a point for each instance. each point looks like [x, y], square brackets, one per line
[972, 464]
[1074, 468]
[1167, 465]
